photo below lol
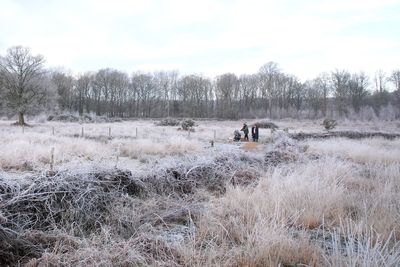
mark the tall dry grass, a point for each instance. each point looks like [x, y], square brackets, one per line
[303, 214]
[372, 151]
[314, 203]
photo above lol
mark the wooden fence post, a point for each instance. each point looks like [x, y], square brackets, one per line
[52, 160]
[117, 156]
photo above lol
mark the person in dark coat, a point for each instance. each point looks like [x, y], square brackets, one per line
[253, 133]
[245, 130]
[255, 136]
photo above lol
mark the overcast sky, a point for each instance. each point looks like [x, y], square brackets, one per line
[205, 36]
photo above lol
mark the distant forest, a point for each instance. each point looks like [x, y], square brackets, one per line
[27, 87]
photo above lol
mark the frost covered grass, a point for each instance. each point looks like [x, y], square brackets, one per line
[374, 151]
[169, 199]
[168, 146]
[32, 151]
[305, 214]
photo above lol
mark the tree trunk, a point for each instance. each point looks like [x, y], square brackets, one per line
[324, 106]
[21, 120]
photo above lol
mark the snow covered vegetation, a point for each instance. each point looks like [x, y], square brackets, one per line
[143, 193]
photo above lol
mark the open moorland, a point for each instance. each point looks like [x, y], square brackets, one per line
[133, 193]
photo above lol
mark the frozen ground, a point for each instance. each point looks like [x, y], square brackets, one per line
[164, 197]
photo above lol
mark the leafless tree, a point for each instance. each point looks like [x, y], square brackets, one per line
[83, 92]
[227, 91]
[380, 81]
[381, 96]
[166, 82]
[340, 84]
[358, 89]
[248, 90]
[314, 96]
[269, 92]
[196, 93]
[268, 74]
[144, 90]
[324, 86]
[395, 79]
[299, 96]
[64, 83]
[22, 75]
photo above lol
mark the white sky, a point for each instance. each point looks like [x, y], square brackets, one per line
[205, 36]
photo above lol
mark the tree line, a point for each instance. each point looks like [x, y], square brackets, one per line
[27, 87]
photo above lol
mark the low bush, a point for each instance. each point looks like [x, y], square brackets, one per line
[187, 125]
[329, 124]
[168, 122]
[263, 124]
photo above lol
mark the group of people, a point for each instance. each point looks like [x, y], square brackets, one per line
[245, 130]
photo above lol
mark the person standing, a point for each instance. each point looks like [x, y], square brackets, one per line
[245, 130]
[255, 139]
[253, 132]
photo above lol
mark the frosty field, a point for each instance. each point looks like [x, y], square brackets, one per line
[135, 194]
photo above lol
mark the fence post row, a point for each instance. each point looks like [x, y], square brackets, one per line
[136, 132]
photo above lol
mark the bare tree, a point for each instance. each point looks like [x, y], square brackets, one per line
[340, 84]
[196, 94]
[380, 81]
[166, 82]
[248, 90]
[110, 91]
[268, 74]
[64, 84]
[299, 96]
[323, 84]
[269, 92]
[227, 91]
[395, 79]
[117, 86]
[284, 93]
[22, 75]
[144, 87]
[82, 92]
[314, 95]
[381, 95]
[102, 85]
[2, 95]
[358, 89]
